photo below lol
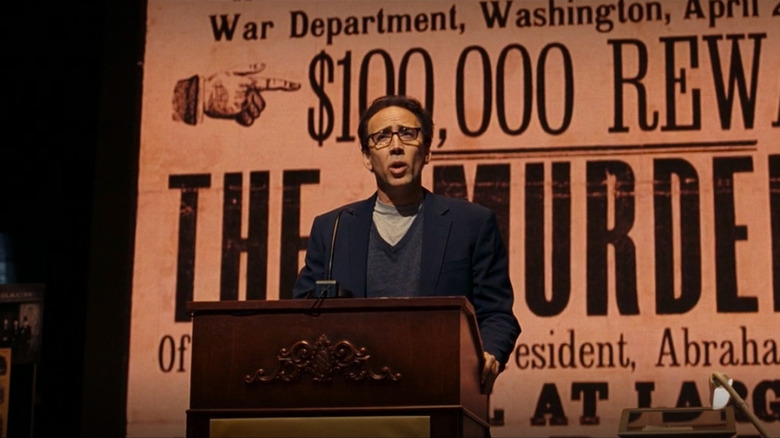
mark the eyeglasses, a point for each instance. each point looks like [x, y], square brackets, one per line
[383, 138]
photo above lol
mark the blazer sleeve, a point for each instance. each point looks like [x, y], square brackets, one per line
[493, 295]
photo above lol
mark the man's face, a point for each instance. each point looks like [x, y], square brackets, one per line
[397, 166]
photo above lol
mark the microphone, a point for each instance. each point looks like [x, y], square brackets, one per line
[329, 288]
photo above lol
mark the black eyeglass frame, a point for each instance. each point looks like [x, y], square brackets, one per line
[408, 129]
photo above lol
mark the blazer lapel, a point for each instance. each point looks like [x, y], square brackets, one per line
[358, 229]
[436, 231]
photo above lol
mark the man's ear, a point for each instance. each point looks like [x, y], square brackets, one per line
[367, 160]
[428, 156]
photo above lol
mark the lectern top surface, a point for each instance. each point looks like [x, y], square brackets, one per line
[198, 307]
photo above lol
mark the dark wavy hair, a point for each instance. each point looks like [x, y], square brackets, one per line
[409, 103]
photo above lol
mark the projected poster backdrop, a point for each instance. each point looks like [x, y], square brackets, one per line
[629, 148]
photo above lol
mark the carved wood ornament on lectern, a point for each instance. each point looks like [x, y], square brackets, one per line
[323, 360]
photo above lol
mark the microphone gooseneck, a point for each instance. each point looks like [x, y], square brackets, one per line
[329, 274]
[329, 287]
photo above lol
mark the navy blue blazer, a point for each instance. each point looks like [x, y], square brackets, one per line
[462, 255]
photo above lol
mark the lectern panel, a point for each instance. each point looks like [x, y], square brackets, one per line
[272, 357]
[322, 427]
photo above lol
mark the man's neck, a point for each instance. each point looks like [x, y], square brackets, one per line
[401, 197]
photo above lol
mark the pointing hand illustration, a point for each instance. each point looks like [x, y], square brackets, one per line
[226, 95]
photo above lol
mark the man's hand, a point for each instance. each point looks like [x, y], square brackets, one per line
[489, 372]
[237, 95]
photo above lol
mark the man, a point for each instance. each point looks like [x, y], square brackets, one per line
[407, 241]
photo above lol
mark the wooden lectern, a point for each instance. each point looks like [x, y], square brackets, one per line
[351, 359]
